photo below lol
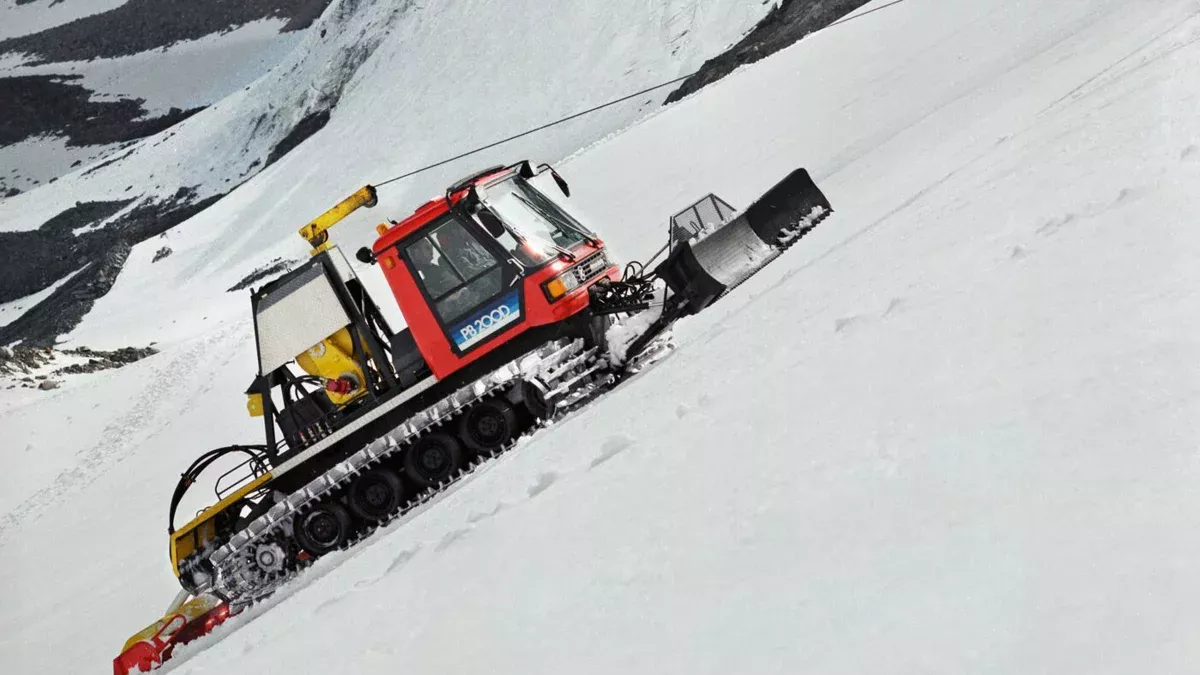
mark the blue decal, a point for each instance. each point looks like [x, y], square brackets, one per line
[487, 321]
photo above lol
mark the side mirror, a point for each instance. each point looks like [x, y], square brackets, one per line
[365, 256]
[562, 184]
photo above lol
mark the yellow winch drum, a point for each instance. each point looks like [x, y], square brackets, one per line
[332, 359]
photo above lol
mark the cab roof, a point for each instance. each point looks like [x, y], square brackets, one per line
[435, 208]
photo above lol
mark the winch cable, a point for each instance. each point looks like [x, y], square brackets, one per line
[602, 106]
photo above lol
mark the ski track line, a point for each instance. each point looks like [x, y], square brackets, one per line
[145, 418]
[611, 447]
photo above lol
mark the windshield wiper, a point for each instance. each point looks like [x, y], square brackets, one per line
[548, 212]
[561, 251]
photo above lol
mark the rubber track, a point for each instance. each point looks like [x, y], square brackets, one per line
[231, 581]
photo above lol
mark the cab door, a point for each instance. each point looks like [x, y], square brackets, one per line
[468, 281]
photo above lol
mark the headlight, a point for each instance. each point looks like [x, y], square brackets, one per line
[576, 276]
[561, 285]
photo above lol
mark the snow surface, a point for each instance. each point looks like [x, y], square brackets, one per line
[35, 161]
[24, 19]
[953, 430]
[185, 75]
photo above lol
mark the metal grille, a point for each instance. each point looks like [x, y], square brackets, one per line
[709, 213]
[590, 267]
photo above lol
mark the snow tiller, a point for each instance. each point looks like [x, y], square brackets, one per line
[515, 315]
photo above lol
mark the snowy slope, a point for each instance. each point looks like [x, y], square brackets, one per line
[395, 77]
[957, 436]
[952, 431]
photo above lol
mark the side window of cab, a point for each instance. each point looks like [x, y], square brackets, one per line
[458, 272]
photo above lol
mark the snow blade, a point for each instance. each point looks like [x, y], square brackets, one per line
[702, 270]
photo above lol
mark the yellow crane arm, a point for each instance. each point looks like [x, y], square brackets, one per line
[316, 233]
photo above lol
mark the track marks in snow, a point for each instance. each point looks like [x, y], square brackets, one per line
[845, 322]
[479, 517]
[610, 448]
[324, 606]
[1122, 198]
[678, 19]
[896, 305]
[1072, 219]
[850, 322]
[543, 483]
[399, 562]
[449, 538]
[402, 559]
[615, 445]
[1147, 53]
[1055, 224]
[155, 407]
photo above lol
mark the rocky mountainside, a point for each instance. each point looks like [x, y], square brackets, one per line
[82, 92]
[789, 21]
[78, 91]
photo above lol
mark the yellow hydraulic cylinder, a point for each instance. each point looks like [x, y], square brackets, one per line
[316, 233]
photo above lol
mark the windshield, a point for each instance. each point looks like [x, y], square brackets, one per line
[545, 230]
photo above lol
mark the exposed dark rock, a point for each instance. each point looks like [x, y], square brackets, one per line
[23, 360]
[31, 261]
[161, 253]
[36, 105]
[66, 306]
[782, 27]
[300, 133]
[304, 13]
[98, 360]
[143, 25]
[116, 157]
[274, 268]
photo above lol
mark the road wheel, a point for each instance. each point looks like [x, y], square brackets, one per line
[433, 459]
[533, 394]
[375, 495]
[486, 426]
[322, 529]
